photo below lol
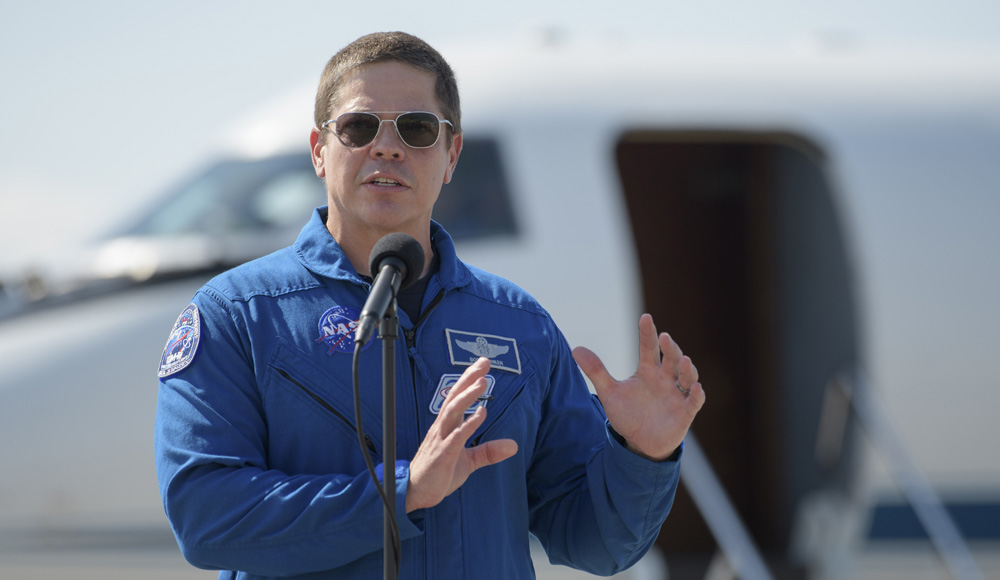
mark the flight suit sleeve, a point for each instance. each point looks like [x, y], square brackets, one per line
[595, 505]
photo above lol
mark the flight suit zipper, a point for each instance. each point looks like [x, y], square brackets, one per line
[411, 333]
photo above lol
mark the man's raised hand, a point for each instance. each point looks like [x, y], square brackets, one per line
[443, 463]
[654, 408]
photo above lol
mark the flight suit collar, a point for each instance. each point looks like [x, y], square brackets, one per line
[319, 252]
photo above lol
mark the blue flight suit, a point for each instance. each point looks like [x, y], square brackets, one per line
[260, 467]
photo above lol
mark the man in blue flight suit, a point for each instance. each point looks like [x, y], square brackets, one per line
[260, 468]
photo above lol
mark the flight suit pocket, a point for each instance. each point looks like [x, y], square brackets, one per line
[513, 411]
[311, 416]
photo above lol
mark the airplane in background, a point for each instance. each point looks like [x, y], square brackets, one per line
[814, 227]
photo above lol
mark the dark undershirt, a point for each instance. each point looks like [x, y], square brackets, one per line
[408, 299]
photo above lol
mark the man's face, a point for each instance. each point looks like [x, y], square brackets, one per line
[385, 186]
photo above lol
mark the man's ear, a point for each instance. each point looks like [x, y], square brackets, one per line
[453, 152]
[316, 145]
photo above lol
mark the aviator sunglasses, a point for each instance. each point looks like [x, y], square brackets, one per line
[418, 129]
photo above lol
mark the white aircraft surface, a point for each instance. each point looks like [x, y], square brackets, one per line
[816, 228]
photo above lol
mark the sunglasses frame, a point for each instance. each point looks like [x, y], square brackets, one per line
[394, 125]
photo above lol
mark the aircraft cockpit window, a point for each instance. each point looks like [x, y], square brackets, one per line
[287, 199]
[238, 196]
[280, 192]
[477, 203]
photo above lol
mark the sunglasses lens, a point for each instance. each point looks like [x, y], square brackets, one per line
[418, 129]
[357, 129]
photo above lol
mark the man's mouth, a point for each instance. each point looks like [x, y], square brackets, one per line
[384, 181]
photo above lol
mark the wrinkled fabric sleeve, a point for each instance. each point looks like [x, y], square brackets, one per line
[230, 511]
[595, 505]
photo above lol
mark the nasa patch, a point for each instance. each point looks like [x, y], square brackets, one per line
[445, 385]
[337, 327]
[182, 345]
[464, 348]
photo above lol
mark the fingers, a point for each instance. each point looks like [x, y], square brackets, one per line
[674, 361]
[672, 354]
[654, 351]
[688, 384]
[657, 349]
[469, 387]
[475, 371]
[443, 462]
[649, 349]
[687, 373]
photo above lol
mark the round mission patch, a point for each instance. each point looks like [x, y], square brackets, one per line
[337, 327]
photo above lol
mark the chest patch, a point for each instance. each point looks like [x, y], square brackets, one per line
[445, 385]
[182, 344]
[464, 348]
[337, 327]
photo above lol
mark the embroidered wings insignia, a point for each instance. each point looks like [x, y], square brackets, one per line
[482, 347]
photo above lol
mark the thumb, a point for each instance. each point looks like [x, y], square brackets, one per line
[492, 452]
[593, 367]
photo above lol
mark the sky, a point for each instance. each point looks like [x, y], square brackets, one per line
[105, 103]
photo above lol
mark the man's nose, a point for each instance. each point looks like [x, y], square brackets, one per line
[387, 142]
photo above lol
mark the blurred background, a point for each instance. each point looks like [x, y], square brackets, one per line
[110, 108]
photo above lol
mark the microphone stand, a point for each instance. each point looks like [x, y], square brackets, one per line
[388, 332]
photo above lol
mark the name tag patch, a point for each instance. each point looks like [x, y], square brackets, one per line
[464, 348]
[182, 344]
[445, 385]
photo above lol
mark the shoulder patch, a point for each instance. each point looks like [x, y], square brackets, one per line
[464, 348]
[182, 345]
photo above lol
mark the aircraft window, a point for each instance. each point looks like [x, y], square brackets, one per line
[281, 191]
[184, 213]
[223, 198]
[288, 199]
[477, 203]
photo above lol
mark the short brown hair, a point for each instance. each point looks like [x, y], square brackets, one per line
[383, 47]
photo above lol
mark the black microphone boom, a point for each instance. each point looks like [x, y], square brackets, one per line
[396, 261]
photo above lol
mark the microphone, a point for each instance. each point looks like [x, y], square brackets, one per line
[396, 261]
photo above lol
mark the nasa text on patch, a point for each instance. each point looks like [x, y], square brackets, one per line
[336, 329]
[445, 385]
[182, 345]
[464, 348]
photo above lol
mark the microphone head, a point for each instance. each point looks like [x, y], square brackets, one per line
[402, 247]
